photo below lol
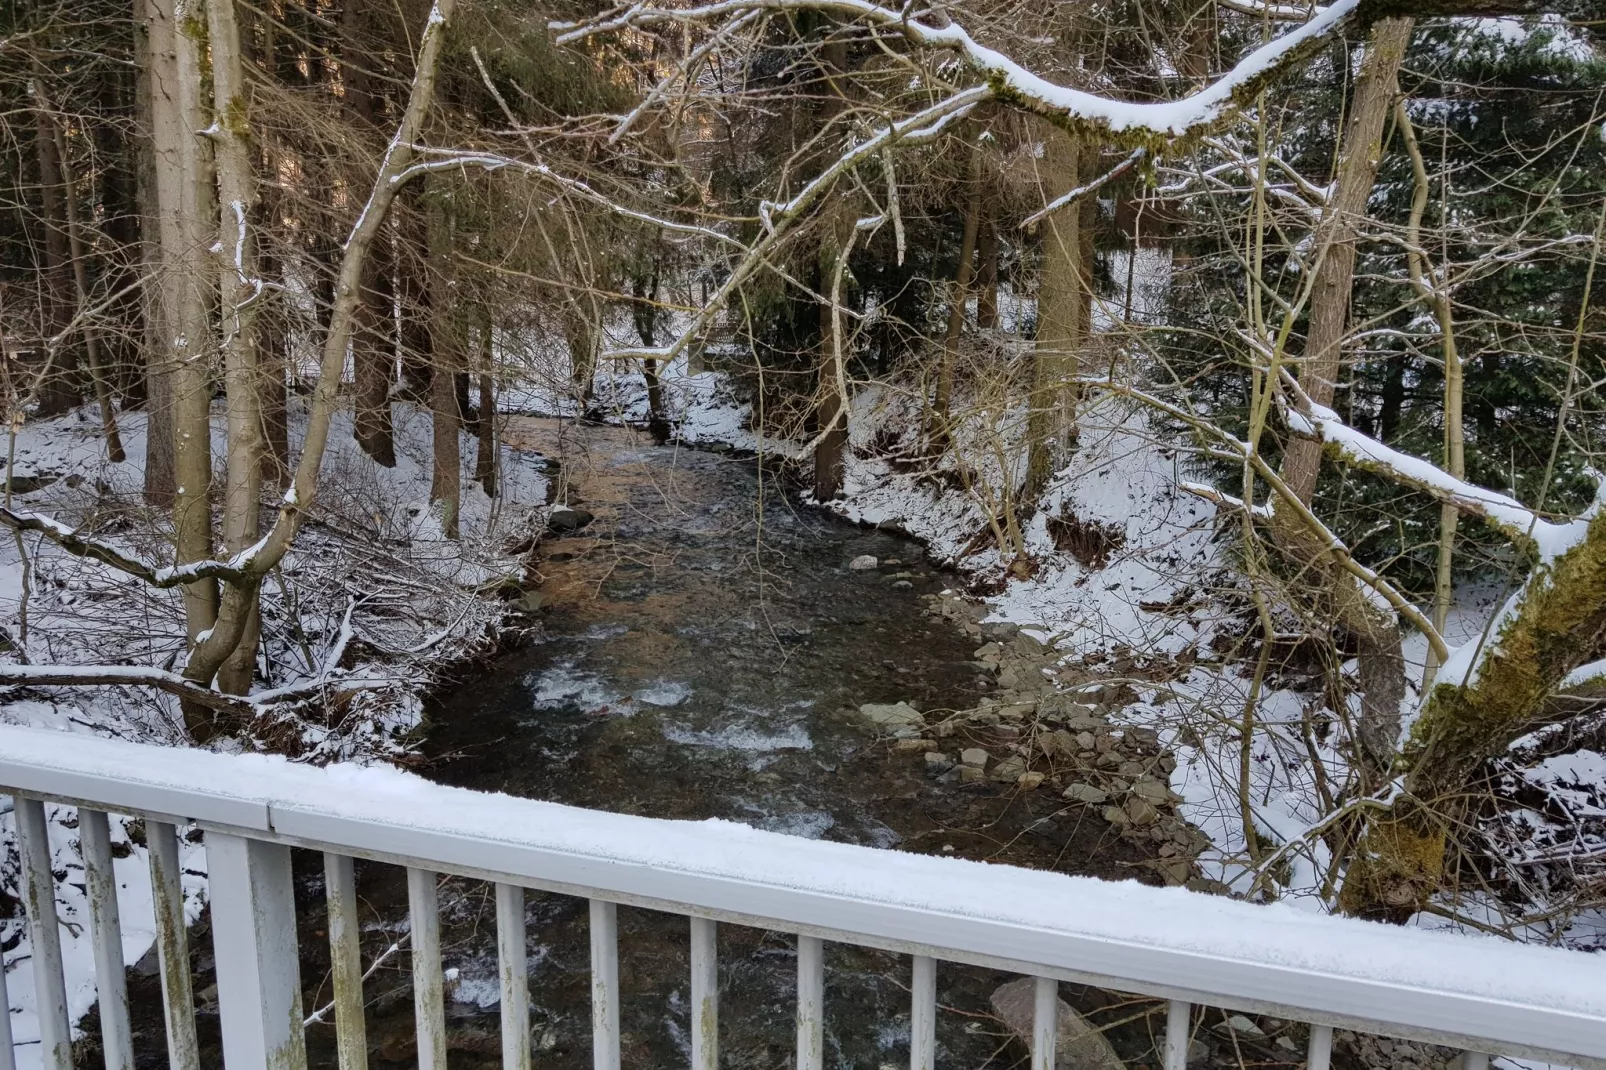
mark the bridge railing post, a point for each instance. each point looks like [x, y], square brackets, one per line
[254, 943]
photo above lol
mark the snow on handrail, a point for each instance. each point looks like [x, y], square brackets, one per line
[1474, 992]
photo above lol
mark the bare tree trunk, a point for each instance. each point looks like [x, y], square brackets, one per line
[413, 297]
[58, 389]
[485, 447]
[445, 486]
[184, 198]
[239, 286]
[987, 272]
[937, 427]
[831, 446]
[373, 358]
[1051, 417]
[159, 485]
[1376, 631]
[373, 352]
[646, 317]
[80, 272]
[1357, 172]
[1433, 292]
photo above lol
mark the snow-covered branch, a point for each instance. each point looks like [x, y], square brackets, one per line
[1548, 538]
[1010, 81]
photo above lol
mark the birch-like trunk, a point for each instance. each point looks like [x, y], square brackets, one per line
[239, 288]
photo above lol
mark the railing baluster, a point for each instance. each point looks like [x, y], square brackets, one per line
[172, 946]
[8, 1057]
[1178, 1023]
[429, 995]
[513, 959]
[604, 985]
[1045, 1023]
[106, 933]
[1319, 1055]
[254, 944]
[810, 1003]
[345, 960]
[704, 995]
[923, 1013]
[44, 937]
[1474, 1060]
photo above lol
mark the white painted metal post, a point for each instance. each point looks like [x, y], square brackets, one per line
[704, 995]
[604, 985]
[345, 960]
[1178, 1025]
[923, 1014]
[44, 937]
[1319, 1056]
[810, 1003]
[1474, 1060]
[172, 946]
[8, 1057]
[513, 958]
[254, 944]
[429, 994]
[106, 934]
[1045, 1023]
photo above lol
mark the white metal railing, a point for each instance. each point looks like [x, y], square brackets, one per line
[1478, 994]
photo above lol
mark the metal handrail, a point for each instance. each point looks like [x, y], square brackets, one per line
[1478, 994]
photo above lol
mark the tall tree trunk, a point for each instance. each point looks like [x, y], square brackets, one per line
[445, 487]
[831, 418]
[373, 352]
[987, 272]
[646, 317]
[58, 389]
[1051, 416]
[414, 296]
[1346, 208]
[485, 448]
[183, 186]
[1376, 630]
[153, 145]
[937, 427]
[1434, 292]
[80, 273]
[239, 286]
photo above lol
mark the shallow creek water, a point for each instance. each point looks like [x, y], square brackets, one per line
[698, 645]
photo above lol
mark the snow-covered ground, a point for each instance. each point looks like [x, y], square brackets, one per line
[372, 603]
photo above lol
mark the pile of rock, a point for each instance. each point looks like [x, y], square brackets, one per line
[1034, 736]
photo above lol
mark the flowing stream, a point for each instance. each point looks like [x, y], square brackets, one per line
[700, 645]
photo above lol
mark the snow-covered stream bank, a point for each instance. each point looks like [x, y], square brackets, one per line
[371, 607]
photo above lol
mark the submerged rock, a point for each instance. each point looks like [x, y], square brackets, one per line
[863, 563]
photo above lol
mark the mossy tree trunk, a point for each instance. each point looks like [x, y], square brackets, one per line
[1558, 623]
